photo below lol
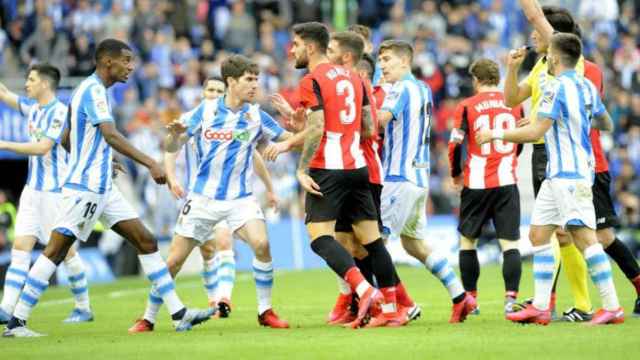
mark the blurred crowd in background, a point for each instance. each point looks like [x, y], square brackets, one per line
[180, 42]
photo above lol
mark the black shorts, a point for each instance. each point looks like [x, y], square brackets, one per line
[538, 166]
[344, 220]
[606, 216]
[501, 205]
[344, 192]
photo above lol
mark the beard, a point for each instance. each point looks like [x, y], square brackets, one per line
[302, 62]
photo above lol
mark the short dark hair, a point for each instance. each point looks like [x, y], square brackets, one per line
[212, 78]
[351, 42]
[110, 47]
[48, 72]
[368, 64]
[569, 48]
[485, 71]
[361, 30]
[313, 31]
[561, 19]
[398, 47]
[235, 66]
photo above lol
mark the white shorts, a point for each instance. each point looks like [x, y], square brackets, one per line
[200, 215]
[403, 209]
[36, 213]
[564, 202]
[80, 210]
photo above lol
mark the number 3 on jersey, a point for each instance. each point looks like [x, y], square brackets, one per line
[344, 87]
[501, 121]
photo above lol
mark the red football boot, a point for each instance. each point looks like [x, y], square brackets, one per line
[140, 326]
[530, 314]
[271, 319]
[603, 317]
[460, 310]
[370, 300]
[340, 310]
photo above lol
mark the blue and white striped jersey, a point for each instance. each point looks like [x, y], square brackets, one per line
[90, 165]
[228, 139]
[406, 136]
[46, 172]
[192, 151]
[570, 101]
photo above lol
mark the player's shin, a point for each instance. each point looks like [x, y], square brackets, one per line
[226, 274]
[78, 282]
[600, 271]
[36, 283]
[440, 268]
[157, 272]
[15, 279]
[543, 269]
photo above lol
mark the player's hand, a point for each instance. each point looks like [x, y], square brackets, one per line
[308, 184]
[272, 200]
[483, 136]
[281, 105]
[176, 127]
[273, 150]
[158, 174]
[298, 120]
[458, 182]
[523, 122]
[175, 188]
[516, 57]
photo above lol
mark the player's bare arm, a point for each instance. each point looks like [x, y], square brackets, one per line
[526, 134]
[315, 128]
[28, 148]
[514, 92]
[384, 117]
[172, 180]
[288, 141]
[262, 172]
[367, 126]
[114, 138]
[533, 11]
[602, 122]
[8, 97]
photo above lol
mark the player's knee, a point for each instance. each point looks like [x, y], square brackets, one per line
[261, 249]
[144, 242]
[537, 237]
[606, 237]
[55, 253]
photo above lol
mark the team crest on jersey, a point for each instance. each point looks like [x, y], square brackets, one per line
[56, 124]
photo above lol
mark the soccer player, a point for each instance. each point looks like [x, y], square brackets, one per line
[405, 115]
[219, 271]
[488, 181]
[346, 48]
[332, 170]
[40, 197]
[89, 194]
[570, 106]
[229, 129]
[545, 20]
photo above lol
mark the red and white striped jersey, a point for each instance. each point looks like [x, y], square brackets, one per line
[492, 164]
[371, 146]
[341, 95]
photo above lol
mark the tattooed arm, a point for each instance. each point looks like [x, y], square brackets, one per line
[367, 126]
[315, 128]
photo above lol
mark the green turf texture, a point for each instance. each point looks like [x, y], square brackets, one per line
[305, 298]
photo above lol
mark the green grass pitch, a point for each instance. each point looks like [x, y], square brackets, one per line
[304, 298]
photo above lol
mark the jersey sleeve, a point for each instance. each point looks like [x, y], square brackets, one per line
[25, 104]
[598, 107]
[57, 124]
[459, 129]
[193, 120]
[269, 127]
[97, 107]
[551, 103]
[309, 91]
[396, 100]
